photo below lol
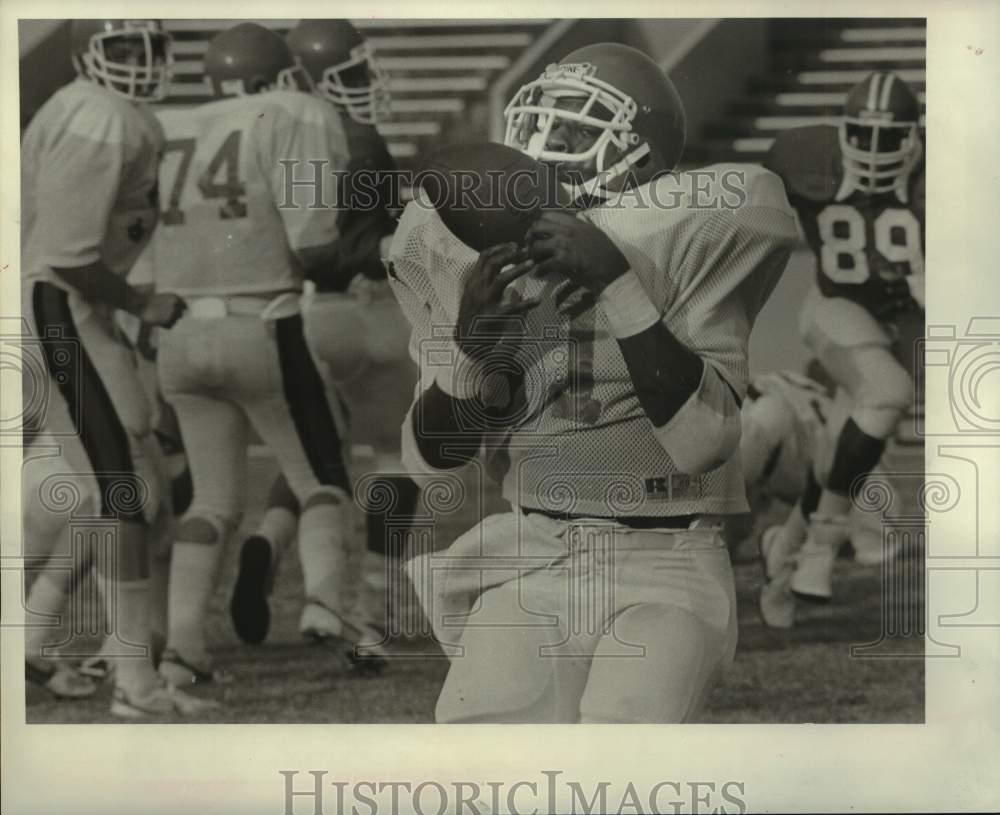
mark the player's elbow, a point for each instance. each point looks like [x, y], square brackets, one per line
[705, 433]
[698, 452]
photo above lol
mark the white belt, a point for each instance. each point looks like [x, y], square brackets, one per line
[583, 536]
[586, 534]
[283, 305]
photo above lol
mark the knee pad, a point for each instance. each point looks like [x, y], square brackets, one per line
[200, 526]
[885, 391]
[503, 677]
[325, 496]
[506, 670]
[683, 658]
[878, 422]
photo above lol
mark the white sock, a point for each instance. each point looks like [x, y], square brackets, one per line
[127, 607]
[278, 526]
[47, 598]
[323, 554]
[194, 569]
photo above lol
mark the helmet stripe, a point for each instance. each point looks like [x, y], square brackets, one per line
[873, 92]
[884, 99]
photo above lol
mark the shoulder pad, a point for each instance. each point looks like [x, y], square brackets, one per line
[808, 161]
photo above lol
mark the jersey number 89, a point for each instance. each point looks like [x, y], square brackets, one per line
[897, 239]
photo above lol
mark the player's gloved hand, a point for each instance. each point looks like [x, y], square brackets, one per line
[484, 315]
[162, 309]
[560, 242]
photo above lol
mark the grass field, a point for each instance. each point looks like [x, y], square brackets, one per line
[803, 675]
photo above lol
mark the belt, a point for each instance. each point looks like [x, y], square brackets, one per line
[208, 308]
[631, 521]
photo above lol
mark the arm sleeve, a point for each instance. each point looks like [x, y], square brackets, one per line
[307, 143]
[78, 179]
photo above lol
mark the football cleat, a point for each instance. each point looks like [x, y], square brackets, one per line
[776, 601]
[870, 547]
[159, 700]
[248, 608]
[61, 681]
[97, 667]
[813, 576]
[358, 643]
[180, 672]
[775, 552]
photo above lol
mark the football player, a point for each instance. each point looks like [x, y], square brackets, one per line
[352, 323]
[790, 425]
[238, 238]
[600, 366]
[858, 189]
[89, 205]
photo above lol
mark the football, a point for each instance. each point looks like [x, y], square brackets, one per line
[487, 193]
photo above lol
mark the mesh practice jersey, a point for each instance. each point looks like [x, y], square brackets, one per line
[235, 206]
[88, 182]
[709, 247]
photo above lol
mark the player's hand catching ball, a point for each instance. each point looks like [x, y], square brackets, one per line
[163, 310]
[484, 315]
[560, 242]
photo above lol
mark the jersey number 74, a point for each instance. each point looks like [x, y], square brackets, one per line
[225, 162]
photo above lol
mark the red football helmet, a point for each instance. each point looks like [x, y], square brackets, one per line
[879, 134]
[249, 58]
[623, 93]
[342, 66]
[129, 57]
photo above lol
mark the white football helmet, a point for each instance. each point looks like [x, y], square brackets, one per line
[132, 58]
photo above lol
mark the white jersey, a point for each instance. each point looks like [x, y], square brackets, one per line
[88, 182]
[232, 220]
[582, 443]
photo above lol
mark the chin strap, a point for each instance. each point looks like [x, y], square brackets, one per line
[605, 177]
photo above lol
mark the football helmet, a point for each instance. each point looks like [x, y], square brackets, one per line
[879, 135]
[249, 58]
[131, 58]
[623, 93]
[343, 68]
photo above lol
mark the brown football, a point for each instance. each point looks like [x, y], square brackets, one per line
[487, 193]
